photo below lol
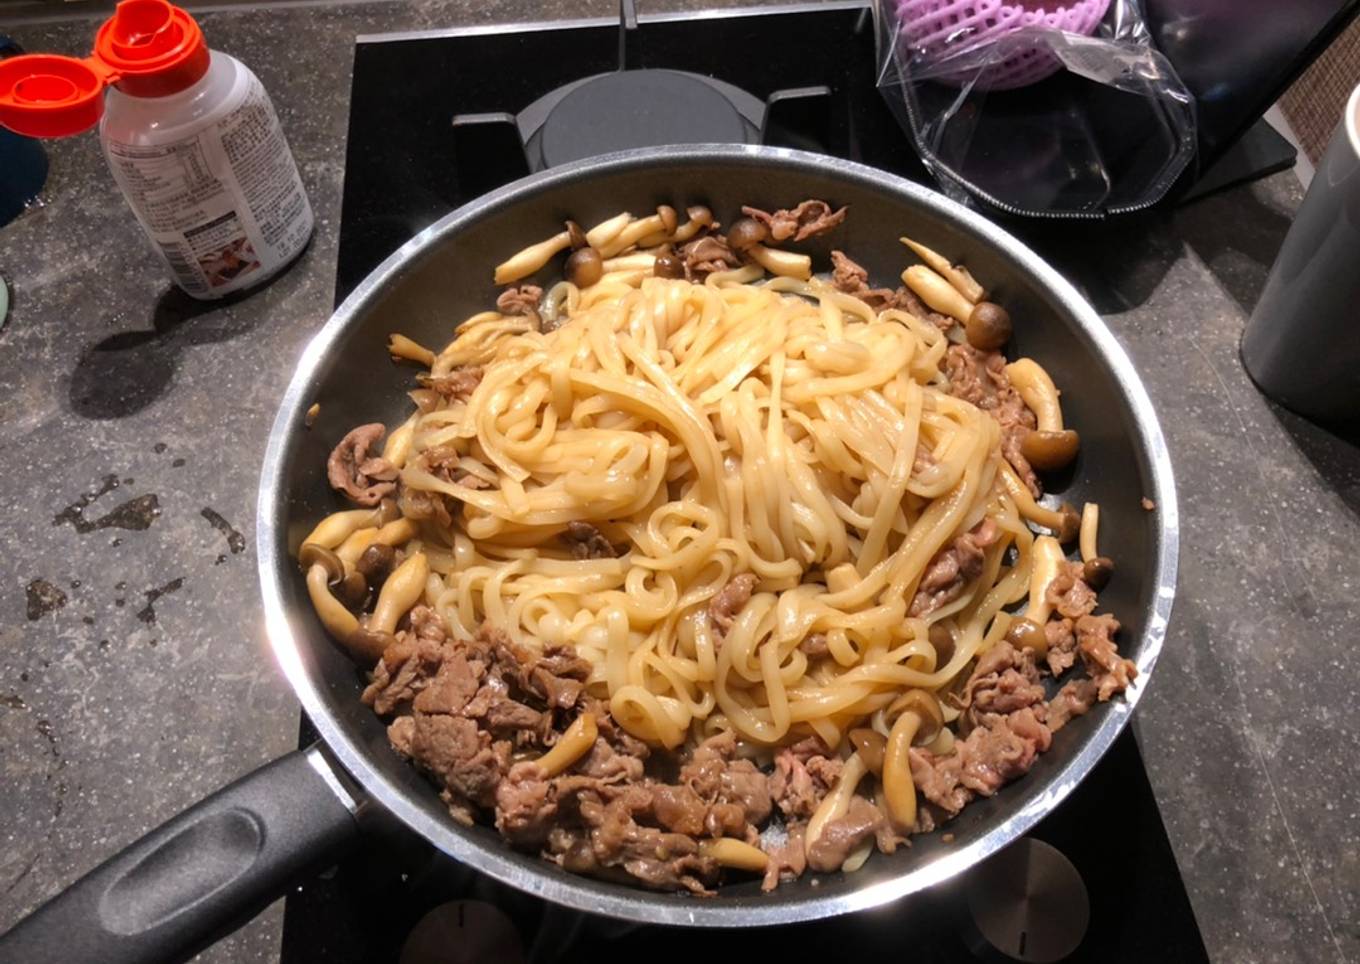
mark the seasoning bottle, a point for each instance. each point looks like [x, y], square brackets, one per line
[190, 136]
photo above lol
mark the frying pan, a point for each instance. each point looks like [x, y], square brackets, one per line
[209, 869]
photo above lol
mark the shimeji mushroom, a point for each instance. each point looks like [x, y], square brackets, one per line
[957, 275]
[1064, 521]
[1095, 568]
[729, 852]
[786, 264]
[988, 326]
[399, 346]
[834, 806]
[575, 742]
[1027, 631]
[938, 294]
[528, 260]
[1049, 446]
[917, 718]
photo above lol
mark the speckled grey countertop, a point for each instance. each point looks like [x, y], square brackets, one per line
[134, 677]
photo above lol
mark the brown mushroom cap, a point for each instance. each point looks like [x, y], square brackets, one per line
[376, 563]
[988, 326]
[1096, 572]
[1027, 634]
[1050, 451]
[312, 554]
[926, 707]
[388, 511]
[698, 212]
[352, 590]
[1070, 527]
[368, 645]
[669, 219]
[577, 236]
[943, 642]
[668, 265]
[869, 744]
[584, 267]
[746, 232]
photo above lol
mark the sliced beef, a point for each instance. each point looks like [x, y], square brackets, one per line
[840, 837]
[1069, 594]
[587, 542]
[1062, 645]
[526, 806]
[459, 755]
[458, 384]
[365, 479]
[707, 254]
[445, 462]
[993, 754]
[953, 568]
[728, 603]
[1004, 681]
[1075, 698]
[521, 299]
[803, 774]
[737, 793]
[1108, 670]
[653, 857]
[979, 378]
[680, 809]
[851, 278]
[807, 220]
[420, 505]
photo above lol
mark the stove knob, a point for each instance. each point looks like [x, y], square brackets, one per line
[463, 932]
[1028, 903]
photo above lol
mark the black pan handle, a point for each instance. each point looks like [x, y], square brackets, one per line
[199, 876]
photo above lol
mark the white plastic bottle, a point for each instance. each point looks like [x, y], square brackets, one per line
[190, 136]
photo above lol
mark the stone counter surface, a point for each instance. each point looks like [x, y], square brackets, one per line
[134, 676]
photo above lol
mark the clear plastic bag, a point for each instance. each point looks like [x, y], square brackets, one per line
[1012, 104]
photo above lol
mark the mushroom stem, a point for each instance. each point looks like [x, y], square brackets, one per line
[1047, 556]
[399, 346]
[399, 593]
[573, 744]
[398, 445]
[835, 804]
[338, 620]
[898, 788]
[1063, 521]
[525, 262]
[1090, 523]
[337, 527]
[787, 264]
[957, 275]
[607, 231]
[1038, 391]
[631, 235]
[729, 852]
[937, 293]
[637, 261]
[392, 534]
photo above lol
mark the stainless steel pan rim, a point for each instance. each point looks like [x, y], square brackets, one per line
[642, 906]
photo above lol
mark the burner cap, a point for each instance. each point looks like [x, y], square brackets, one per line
[639, 108]
[1028, 903]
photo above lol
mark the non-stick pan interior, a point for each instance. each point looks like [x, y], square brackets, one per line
[444, 275]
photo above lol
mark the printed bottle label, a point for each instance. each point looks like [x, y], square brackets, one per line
[225, 206]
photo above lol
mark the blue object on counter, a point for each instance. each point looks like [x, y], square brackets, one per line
[23, 162]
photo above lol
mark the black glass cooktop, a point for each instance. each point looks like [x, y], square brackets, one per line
[409, 163]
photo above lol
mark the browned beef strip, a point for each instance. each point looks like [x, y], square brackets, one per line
[587, 542]
[605, 763]
[724, 608]
[1004, 681]
[724, 781]
[707, 254]
[839, 837]
[953, 568]
[1062, 645]
[459, 755]
[979, 378]
[993, 754]
[1110, 671]
[420, 505]
[445, 462]
[458, 384]
[803, 775]
[653, 857]
[814, 646]
[363, 478]
[851, 278]
[1068, 594]
[526, 806]
[788, 858]
[1074, 699]
[680, 809]
[807, 220]
[521, 299]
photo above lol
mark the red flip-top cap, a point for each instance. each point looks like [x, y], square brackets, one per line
[148, 48]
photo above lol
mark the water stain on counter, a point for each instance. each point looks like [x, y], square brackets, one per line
[236, 542]
[136, 514]
[147, 613]
[13, 701]
[43, 598]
